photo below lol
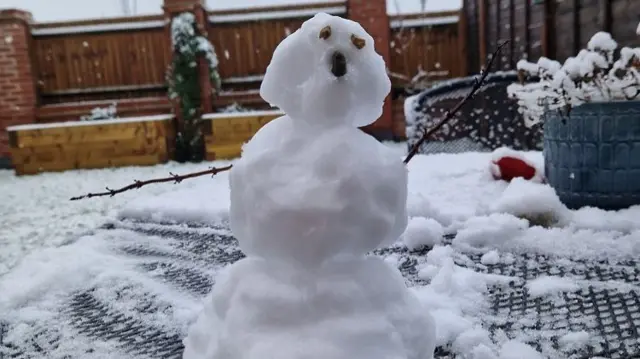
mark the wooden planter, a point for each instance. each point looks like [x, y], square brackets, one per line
[592, 156]
[225, 133]
[63, 146]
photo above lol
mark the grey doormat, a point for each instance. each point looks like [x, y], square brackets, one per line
[514, 313]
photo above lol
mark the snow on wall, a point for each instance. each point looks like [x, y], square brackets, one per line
[213, 116]
[425, 22]
[152, 24]
[270, 15]
[39, 126]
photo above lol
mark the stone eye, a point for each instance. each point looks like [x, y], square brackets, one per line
[358, 42]
[325, 33]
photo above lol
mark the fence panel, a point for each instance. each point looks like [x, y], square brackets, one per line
[84, 60]
[429, 44]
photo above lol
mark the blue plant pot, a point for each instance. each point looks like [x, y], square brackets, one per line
[592, 155]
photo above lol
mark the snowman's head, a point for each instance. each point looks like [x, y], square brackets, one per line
[327, 72]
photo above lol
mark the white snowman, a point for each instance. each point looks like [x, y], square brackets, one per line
[310, 197]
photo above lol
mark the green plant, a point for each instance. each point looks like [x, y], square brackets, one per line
[183, 78]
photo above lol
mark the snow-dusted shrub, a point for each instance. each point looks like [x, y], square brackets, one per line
[102, 113]
[183, 78]
[593, 75]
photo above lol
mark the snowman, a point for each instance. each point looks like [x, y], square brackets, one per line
[310, 197]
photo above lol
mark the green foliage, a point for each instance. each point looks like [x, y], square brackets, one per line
[184, 85]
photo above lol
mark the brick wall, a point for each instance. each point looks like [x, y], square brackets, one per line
[17, 87]
[372, 15]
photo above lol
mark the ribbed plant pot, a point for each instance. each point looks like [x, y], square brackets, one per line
[592, 155]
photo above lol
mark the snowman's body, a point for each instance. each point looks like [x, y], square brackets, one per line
[310, 197]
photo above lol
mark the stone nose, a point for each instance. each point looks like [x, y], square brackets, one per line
[338, 64]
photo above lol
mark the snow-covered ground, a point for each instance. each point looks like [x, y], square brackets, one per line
[455, 190]
[35, 211]
[447, 194]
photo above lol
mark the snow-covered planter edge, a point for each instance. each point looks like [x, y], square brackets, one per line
[593, 75]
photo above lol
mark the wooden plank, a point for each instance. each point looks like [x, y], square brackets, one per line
[482, 21]
[606, 18]
[512, 34]
[223, 152]
[575, 8]
[549, 29]
[527, 27]
[61, 152]
[95, 61]
[83, 137]
[462, 45]
[87, 163]
[86, 134]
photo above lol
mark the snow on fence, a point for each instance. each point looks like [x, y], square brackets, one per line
[225, 133]
[134, 141]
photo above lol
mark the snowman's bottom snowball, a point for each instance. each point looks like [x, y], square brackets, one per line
[351, 308]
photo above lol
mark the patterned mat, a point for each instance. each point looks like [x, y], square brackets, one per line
[514, 313]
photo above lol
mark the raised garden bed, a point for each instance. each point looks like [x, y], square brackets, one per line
[225, 133]
[134, 141]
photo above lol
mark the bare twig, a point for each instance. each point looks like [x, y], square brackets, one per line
[449, 114]
[138, 184]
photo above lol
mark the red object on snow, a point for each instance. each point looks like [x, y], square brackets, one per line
[508, 168]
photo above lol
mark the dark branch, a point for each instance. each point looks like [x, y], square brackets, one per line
[138, 184]
[449, 114]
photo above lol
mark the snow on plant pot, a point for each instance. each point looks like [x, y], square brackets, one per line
[591, 123]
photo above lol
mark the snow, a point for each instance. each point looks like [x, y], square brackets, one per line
[138, 25]
[213, 116]
[280, 14]
[532, 201]
[41, 126]
[602, 41]
[422, 232]
[574, 340]
[490, 258]
[305, 88]
[430, 21]
[551, 285]
[516, 350]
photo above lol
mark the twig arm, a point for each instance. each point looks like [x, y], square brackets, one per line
[138, 184]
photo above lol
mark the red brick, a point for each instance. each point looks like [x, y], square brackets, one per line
[372, 15]
[17, 92]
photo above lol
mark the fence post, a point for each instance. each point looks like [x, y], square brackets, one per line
[372, 15]
[18, 96]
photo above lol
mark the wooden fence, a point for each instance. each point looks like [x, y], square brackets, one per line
[431, 43]
[128, 57]
[89, 60]
[555, 29]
